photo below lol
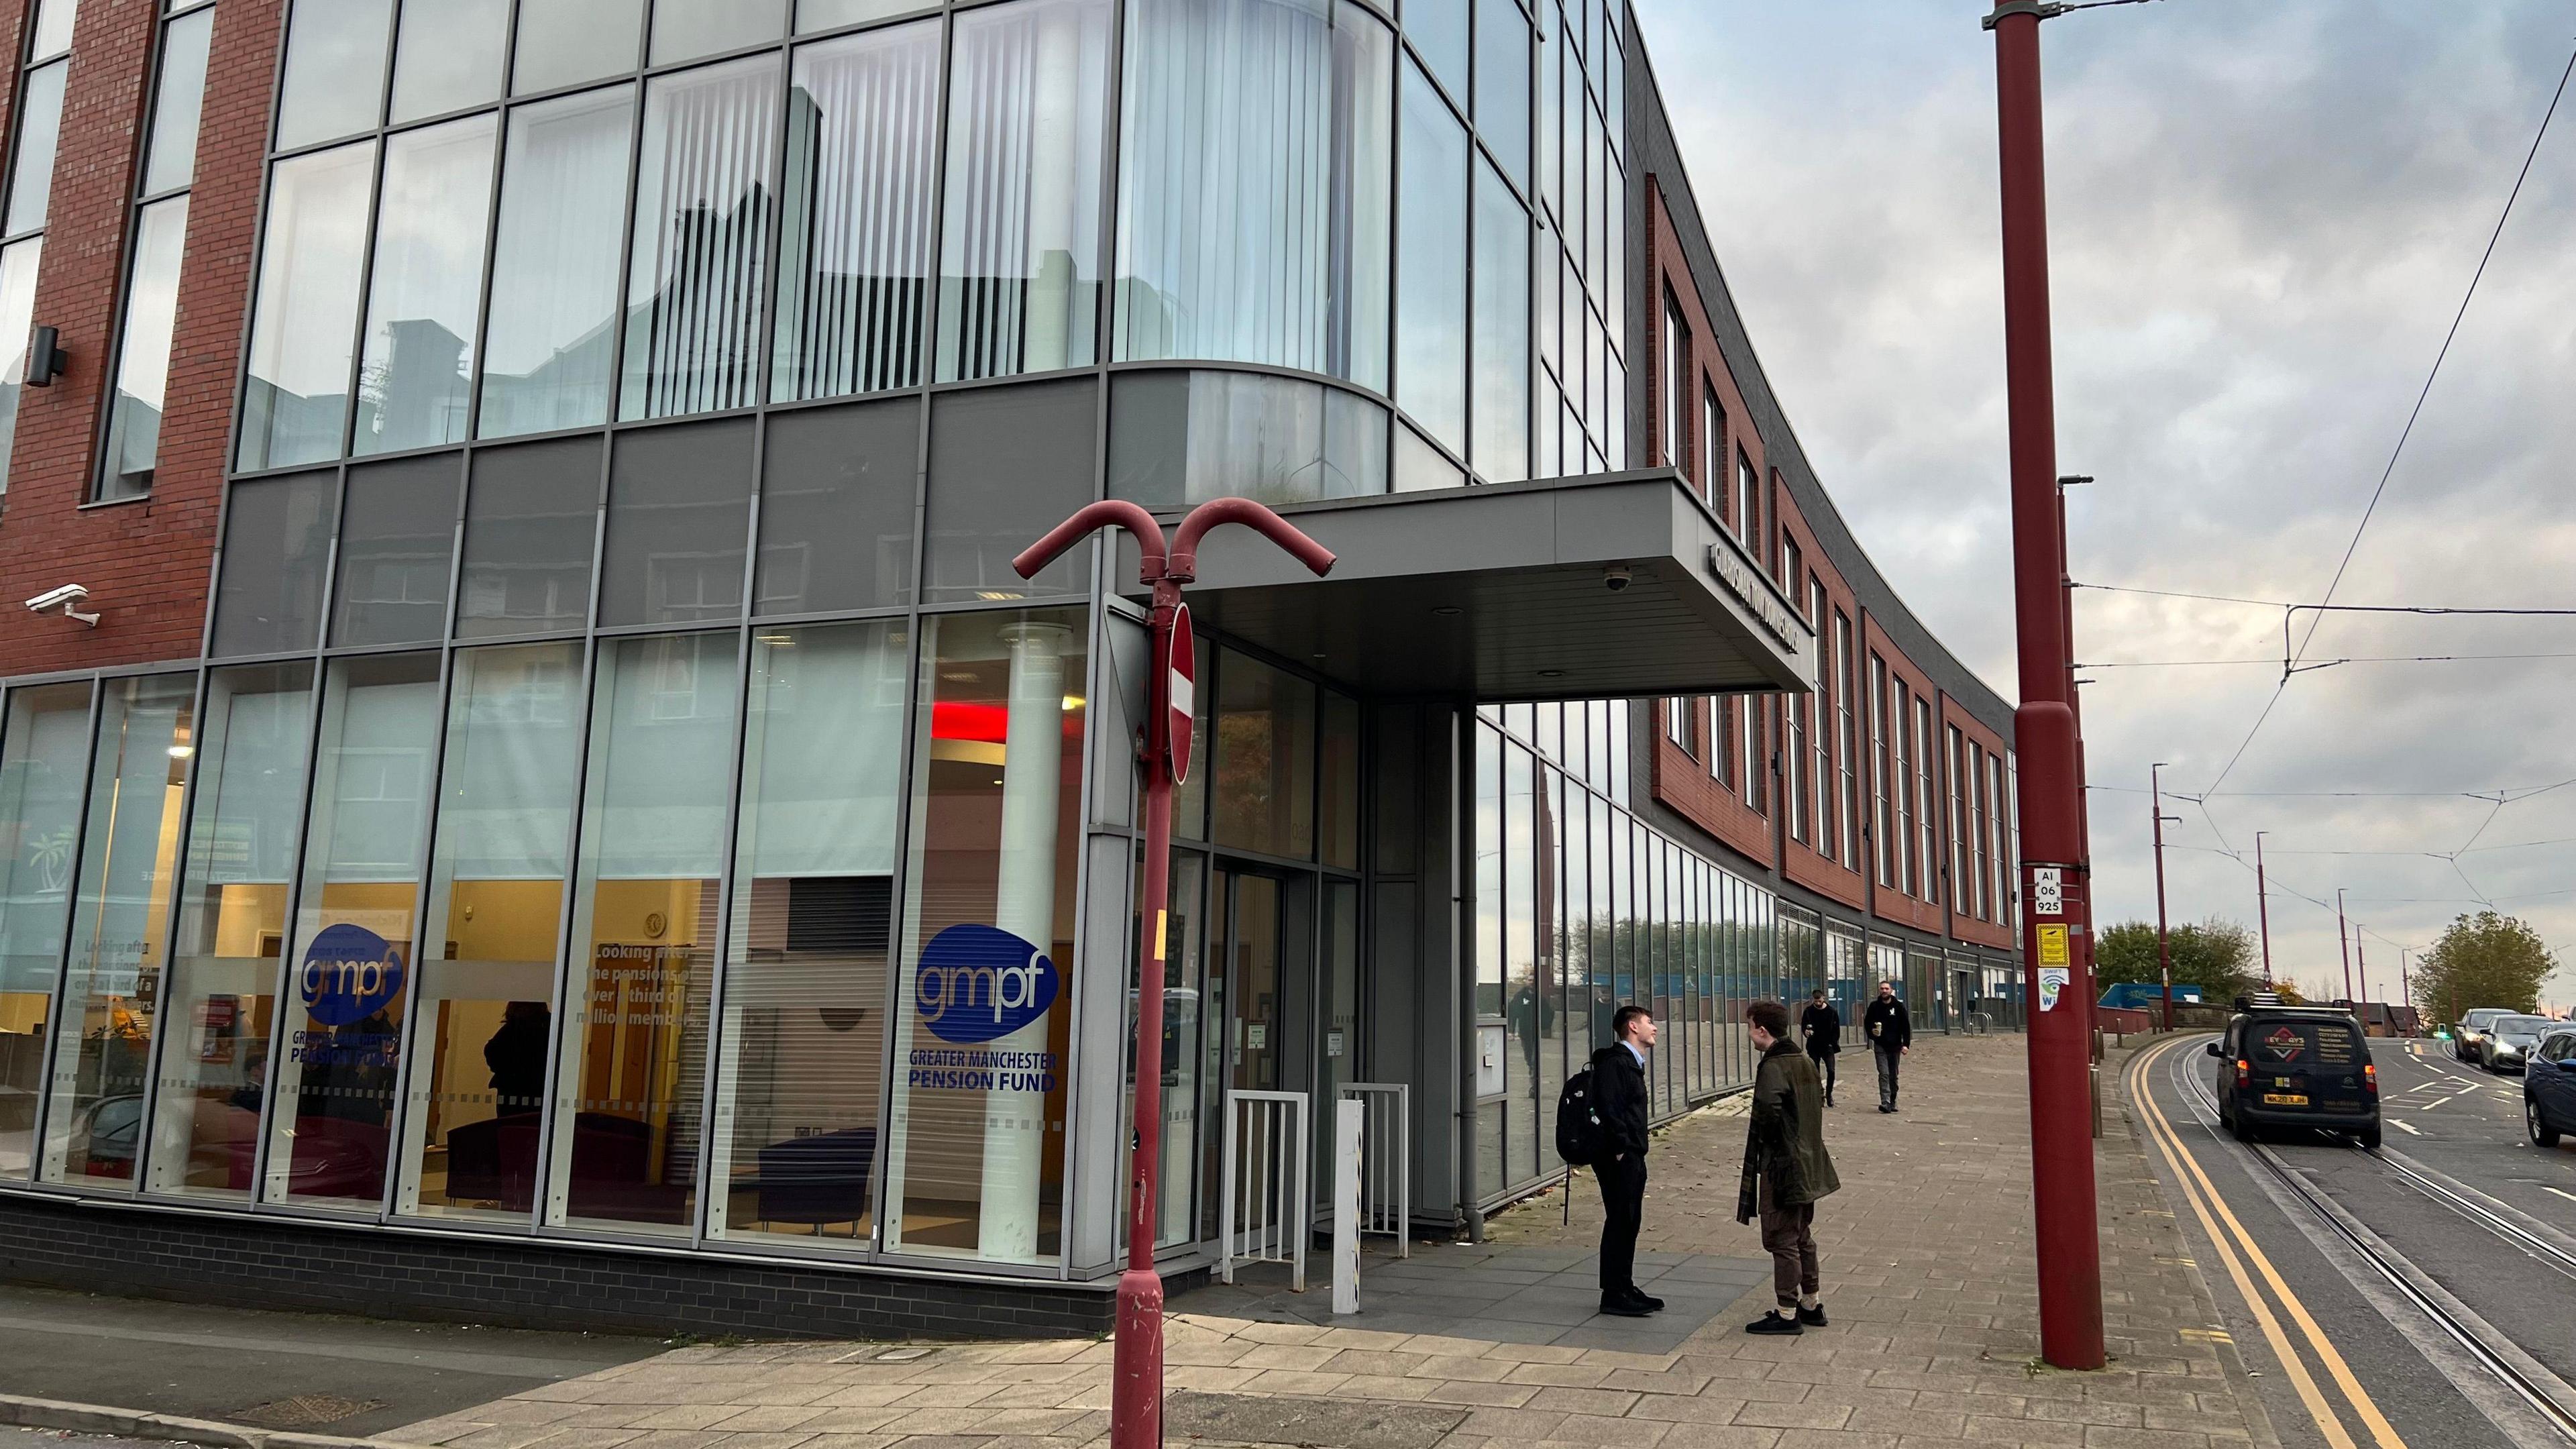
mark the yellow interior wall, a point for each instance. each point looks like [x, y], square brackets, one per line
[23, 1011]
[243, 913]
[504, 920]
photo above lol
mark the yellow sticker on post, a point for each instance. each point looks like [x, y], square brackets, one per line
[2052, 945]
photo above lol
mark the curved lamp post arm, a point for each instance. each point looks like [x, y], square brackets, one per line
[1184, 564]
[1109, 512]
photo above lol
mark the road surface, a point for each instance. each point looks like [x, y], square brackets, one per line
[2391, 1299]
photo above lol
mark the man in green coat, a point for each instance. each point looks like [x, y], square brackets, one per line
[1786, 1170]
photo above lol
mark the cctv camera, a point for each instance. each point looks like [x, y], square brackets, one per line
[63, 598]
[1616, 577]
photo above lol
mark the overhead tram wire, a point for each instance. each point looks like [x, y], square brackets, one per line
[2345, 563]
[2353, 659]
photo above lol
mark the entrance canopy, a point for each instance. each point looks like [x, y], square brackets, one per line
[1506, 592]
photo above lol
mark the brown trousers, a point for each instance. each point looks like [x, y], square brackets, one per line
[1789, 1234]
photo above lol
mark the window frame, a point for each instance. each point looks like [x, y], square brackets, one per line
[121, 331]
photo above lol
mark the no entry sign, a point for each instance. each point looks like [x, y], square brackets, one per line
[1181, 694]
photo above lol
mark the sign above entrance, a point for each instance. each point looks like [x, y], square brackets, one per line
[1744, 581]
[1181, 694]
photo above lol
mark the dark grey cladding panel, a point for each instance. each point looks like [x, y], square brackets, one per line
[1503, 593]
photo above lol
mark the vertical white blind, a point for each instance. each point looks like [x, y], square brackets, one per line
[862, 127]
[703, 210]
[1019, 260]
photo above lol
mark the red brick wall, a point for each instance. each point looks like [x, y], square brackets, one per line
[1964, 923]
[1800, 860]
[146, 563]
[1887, 902]
[1682, 782]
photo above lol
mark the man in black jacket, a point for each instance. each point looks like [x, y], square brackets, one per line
[1890, 1032]
[1823, 1028]
[1619, 1089]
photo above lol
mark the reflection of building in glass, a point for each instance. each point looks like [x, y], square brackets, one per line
[616, 790]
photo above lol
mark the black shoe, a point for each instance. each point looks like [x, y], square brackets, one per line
[1624, 1308]
[1812, 1317]
[1885, 1108]
[1646, 1301]
[1774, 1323]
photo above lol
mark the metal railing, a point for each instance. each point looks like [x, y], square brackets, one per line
[1264, 1205]
[1386, 1160]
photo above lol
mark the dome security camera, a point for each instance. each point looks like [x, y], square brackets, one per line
[1617, 577]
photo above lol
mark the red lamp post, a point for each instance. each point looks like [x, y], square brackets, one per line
[2064, 1206]
[1136, 1403]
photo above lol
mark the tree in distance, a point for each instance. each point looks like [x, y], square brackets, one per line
[2216, 955]
[2485, 959]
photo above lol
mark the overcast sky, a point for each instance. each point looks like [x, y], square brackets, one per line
[2262, 220]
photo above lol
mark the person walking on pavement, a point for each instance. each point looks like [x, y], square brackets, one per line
[1822, 1026]
[1786, 1171]
[1619, 1087]
[1890, 1032]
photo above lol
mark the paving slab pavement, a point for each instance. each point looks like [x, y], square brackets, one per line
[1929, 1281]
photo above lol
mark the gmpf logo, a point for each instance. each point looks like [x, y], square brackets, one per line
[349, 974]
[977, 983]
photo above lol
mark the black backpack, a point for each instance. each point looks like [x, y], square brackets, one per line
[1578, 1126]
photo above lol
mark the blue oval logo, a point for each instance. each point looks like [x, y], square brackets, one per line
[979, 983]
[350, 973]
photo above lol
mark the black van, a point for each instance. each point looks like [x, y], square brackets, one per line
[2294, 1066]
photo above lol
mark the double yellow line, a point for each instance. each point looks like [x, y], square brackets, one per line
[2236, 1247]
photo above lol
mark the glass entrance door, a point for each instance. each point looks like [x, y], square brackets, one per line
[1260, 1001]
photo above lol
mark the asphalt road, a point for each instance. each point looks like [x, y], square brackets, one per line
[280, 1370]
[2387, 1357]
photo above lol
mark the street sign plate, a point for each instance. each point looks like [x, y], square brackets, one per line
[2047, 891]
[1181, 711]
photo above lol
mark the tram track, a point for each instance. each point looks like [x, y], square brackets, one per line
[2543, 1393]
[2444, 1190]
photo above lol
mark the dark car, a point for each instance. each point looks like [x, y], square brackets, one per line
[2510, 1041]
[2549, 1088]
[2296, 1067]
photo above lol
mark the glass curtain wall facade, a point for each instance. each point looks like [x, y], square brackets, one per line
[488, 222]
[629, 794]
[1581, 907]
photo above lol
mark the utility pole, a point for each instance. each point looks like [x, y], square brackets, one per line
[2063, 1201]
[2164, 947]
[2361, 951]
[2343, 939]
[2083, 939]
[2263, 907]
[2405, 977]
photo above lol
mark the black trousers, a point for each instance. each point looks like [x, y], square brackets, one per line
[1888, 1059]
[1623, 1203]
[1825, 1067]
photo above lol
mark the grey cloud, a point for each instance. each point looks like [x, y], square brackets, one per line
[2261, 222]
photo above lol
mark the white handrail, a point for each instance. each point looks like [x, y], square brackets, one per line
[1267, 1153]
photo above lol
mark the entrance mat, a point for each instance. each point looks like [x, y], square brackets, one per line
[1331, 1423]
[1494, 1294]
